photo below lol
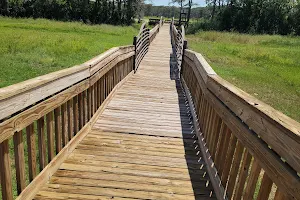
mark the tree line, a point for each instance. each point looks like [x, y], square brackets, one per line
[245, 16]
[87, 11]
[255, 16]
[174, 11]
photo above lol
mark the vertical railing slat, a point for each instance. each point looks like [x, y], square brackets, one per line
[58, 130]
[228, 160]
[252, 180]
[5, 171]
[85, 106]
[234, 169]
[75, 115]
[19, 161]
[70, 119]
[31, 151]
[279, 195]
[243, 173]
[89, 102]
[50, 134]
[64, 124]
[80, 106]
[265, 187]
[41, 143]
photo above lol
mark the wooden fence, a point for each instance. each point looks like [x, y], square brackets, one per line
[54, 113]
[143, 40]
[248, 146]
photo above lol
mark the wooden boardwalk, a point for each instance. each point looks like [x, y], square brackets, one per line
[142, 146]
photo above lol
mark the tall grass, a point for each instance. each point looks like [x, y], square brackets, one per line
[267, 67]
[29, 48]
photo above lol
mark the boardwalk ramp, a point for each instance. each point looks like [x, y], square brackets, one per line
[145, 121]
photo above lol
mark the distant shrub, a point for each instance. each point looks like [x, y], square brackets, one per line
[204, 25]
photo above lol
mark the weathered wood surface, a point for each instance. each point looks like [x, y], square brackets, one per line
[142, 146]
[263, 139]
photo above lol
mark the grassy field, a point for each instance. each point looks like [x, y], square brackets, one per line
[267, 67]
[30, 48]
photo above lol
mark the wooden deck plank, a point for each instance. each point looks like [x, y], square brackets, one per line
[142, 146]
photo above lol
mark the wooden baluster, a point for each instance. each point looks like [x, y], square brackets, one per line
[19, 161]
[112, 79]
[5, 171]
[58, 129]
[31, 151]
[216, 136]
[210, 129]
[201, 110]
[89, 102]
[101, 91]
[80, 105]
[50, 134]
[265, 187]
[206, 120]
[252, 180]
[204, 115]
[224, 150]
[228, 160]
[243, 173]
[64, 124]
[105, 85]
[98, 94]
[93, 99]
[85, 117]
[279, 195]
[234, 169]
[70, 119]
[41, 143]
[197, 106]
[75, 115]
[220, 142]
[108, 83]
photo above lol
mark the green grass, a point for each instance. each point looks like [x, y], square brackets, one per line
[30, 48]
[267, 67]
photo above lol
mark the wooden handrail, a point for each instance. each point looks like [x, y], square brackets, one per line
[143, 40]
[241, 136]
[62, 107]
[179, 43]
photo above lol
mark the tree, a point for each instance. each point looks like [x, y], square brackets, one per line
[184, 5]
[3, 7]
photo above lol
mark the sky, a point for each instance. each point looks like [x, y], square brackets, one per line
[166, 2]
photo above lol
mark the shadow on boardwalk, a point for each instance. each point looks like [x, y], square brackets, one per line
[193, 156]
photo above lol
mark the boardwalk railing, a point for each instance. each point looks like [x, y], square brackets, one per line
[143, 40]
[178, 42]
[248, 146]
[53, 112]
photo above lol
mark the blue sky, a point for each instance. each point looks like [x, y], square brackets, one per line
[166, 2]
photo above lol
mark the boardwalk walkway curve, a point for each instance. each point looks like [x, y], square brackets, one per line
[141, 146]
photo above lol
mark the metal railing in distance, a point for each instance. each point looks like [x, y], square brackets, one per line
[178, 42]
[143, 40]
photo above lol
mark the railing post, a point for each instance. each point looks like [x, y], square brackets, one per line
[134, 57]
[149, 39]
[185, 45]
